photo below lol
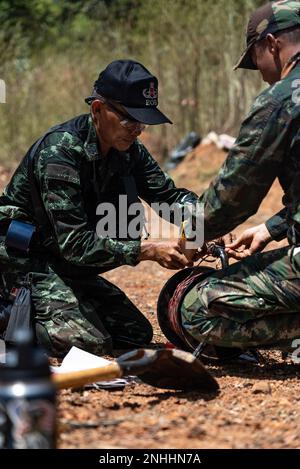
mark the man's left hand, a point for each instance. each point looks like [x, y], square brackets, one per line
[252, 240]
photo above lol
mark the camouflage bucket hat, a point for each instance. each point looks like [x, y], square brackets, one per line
[268, 19]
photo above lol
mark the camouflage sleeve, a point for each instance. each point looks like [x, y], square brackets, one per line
[156, 186]
[59, 180]
[249, 170]
[277, 225]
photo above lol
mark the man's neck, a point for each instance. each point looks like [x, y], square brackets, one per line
[104, 146]
[288, 52]
[287, 60]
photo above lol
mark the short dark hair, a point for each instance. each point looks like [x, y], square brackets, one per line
[292, 35]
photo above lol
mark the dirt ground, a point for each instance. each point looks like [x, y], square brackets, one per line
[258, 406]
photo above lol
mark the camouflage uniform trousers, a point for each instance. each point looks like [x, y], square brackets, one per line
[253, 303]
[90, 313]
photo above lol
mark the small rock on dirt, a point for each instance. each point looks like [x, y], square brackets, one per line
[261, 388]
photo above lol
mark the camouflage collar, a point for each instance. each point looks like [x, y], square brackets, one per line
[91, 146]
[294, 59]
[290, 65]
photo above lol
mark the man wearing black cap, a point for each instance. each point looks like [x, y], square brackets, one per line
[256, 302]
[65, 176]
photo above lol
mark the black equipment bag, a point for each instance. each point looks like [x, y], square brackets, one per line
[16, 312]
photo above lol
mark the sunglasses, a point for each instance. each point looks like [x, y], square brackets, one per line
[125, 120]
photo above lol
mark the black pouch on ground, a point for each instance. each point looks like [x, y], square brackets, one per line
[19, 313]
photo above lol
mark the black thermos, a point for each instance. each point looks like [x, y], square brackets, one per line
[27, 397]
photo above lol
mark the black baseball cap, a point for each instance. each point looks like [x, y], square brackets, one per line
[130, 84]
[268, 19]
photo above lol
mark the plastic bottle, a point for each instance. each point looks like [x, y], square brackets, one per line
[27, 398]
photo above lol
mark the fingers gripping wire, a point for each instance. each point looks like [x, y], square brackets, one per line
[213, 253]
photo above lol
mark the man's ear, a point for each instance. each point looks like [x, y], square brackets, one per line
[272, 44]
[96, 106]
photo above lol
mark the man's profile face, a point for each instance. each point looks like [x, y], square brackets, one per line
[266, 62]
[108, 123]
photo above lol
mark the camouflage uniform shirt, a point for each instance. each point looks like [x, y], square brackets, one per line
[73, 178]
[268, 146]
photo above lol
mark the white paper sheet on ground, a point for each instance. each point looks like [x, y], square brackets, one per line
[78, 359]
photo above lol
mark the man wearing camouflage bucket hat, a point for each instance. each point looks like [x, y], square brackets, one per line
[256, 302]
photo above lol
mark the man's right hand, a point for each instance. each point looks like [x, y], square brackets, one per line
[252, 240]
[167, 254]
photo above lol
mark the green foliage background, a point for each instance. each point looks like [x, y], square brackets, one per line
[53, 50]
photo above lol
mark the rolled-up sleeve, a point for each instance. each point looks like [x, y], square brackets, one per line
[277, 225]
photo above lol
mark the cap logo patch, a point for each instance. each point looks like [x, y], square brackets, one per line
[151, 95]
[262, 26]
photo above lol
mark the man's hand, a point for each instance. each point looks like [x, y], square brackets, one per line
[252, 240]
[191, 254]
[167, 254]
[196, 254]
